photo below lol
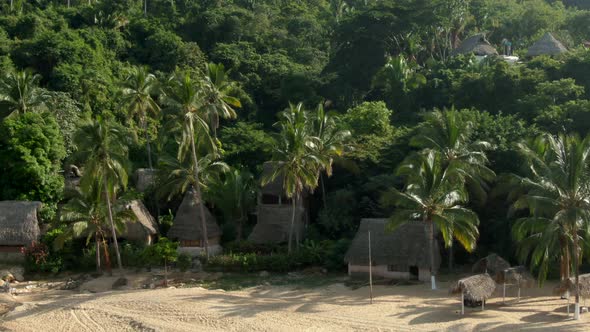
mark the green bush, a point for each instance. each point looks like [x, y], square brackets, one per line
[184, 262]
[245, 247]
[38, 258]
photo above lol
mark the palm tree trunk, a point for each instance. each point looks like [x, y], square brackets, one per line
[431, 244]
[451, 257]
[165, 272]
[198, 191]
[240, 226]
[144, 7]
[109, 208]
[107, 259]
[147, 142]
[292, 226]
[577, 272]
[97, 252]
[323, 189]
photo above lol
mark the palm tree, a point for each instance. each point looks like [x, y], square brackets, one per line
[103, 145]
[234, 194]
[20, 90]
[435, 196]
[184, 97]
[446, 133]
[331, 142]
[85, 215]
[295, 159]
[216, 90]
[557, 197]
[137, 89]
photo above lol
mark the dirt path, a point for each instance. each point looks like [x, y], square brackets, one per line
[333, 308]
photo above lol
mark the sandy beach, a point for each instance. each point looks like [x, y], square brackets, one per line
[272, 308]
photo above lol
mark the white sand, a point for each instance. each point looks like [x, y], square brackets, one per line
[333, 308]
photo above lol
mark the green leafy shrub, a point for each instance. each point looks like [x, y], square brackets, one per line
[38, 258]
[184, 262]
[245, 247]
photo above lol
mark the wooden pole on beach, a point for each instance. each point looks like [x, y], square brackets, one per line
[504, 293]
[462, 303]
[370, 269]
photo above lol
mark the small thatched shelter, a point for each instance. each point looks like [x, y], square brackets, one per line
[492, 264]
[477, 288]
[477, 45]
[401, 254]
[144, 228]
[517, 276]
[144, 178]
[19, 227]
[274, 212]
[547, 45]
[187, 226]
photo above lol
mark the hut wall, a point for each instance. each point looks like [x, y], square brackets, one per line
[382, 271]
[11, 254]
[199, 251]
[274, 222]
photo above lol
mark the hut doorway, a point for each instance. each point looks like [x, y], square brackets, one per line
[414, 273]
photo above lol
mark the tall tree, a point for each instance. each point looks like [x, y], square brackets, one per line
[216, 96]
[184, 96]
[137, 89]
[295, 159]
[332, 141]
[103, 145]
[556, 194]
[21, 91]
[234, 194]
[446, 133]
[434, 195]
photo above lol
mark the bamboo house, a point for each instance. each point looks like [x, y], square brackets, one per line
[547, 45]
[401, 254]
[19, 228]
[477, 45]
[474, 289]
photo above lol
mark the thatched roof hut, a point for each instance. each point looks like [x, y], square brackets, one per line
[18, 223]
[477, 288]
[477, 45]
[187, 223]
[144, 178]
[547, 45]
[518, 275]
[570, 285]
[492, 264]
[404, 247]
[144, 227]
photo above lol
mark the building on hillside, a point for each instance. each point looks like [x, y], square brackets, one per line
[547, 45]
[187, 227]
[275, 211]
[144, 228]
[144, 178]
[401, 254]
[477, 45]
[19, 228]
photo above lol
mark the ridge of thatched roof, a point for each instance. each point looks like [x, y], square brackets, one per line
[144, 178]
[405, 246]
[187, 222]
[547, 45]
[144, 224]
[477, 45]
[518, 275]
[274, 222]
[18, 222]
[492, 264]
[475, 288]
[570, 285]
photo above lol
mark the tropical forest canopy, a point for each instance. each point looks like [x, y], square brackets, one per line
[376, 66]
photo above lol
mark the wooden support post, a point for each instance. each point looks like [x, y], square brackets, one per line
[462, 303]
[482, 304]
[568, 305]
[518, 293]
[370, 270]
[504, 293]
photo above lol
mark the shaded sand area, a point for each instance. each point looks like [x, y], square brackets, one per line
[282, 308]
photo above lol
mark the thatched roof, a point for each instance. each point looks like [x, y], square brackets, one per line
[547, 45]
[18, 222]
[187, 223]
[492, 264]
[144, 178]
[406, 246]
[477, 45]
[144, 224]
[476, 288]
[518, 275]
[274, 222]
[570, 284]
